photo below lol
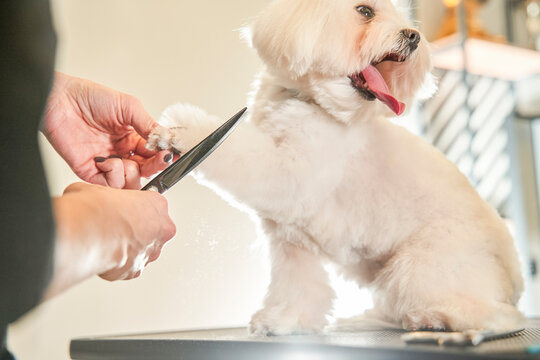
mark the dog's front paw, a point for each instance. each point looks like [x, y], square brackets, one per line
[181, 127]
[278, 321]
[159, 139]
[162, 138]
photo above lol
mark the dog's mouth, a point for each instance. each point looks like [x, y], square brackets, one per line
[371, 84]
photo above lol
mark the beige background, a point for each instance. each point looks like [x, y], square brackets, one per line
[162, 51]
[213, 273]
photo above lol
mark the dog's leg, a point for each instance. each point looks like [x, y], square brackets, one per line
[455, 284]
[299, 296]
[249, 164]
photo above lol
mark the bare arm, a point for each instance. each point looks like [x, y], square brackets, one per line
[106, 232]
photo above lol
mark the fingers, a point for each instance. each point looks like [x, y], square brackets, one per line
[135, 264]
[132, 176]
[161, 206]
[156, 163]
[126, 173]
[154, 256]
[142, 241]
[142, 150]
[118, 173]
[158, 249]
[113, 170]
[132, 268]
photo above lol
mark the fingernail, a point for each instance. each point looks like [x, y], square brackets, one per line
[167, 158]
[99, 159]
[115, 157]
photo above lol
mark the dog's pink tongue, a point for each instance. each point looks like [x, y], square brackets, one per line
[378, 86]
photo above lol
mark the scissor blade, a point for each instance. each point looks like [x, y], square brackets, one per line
[171, 175]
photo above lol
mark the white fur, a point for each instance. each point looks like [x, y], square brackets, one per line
[332, 179]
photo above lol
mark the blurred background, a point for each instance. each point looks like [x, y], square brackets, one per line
[214, 272]
[485, 114]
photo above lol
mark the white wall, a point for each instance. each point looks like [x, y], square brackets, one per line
[161, 51]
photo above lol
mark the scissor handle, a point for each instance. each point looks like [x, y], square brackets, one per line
[154, 185]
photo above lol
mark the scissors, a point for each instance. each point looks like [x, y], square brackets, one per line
[180, 168]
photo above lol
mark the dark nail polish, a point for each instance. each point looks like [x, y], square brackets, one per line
[115, 157]
[99, 159]
[167, 158]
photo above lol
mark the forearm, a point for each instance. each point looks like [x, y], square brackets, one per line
[106, 232]
[79, 252]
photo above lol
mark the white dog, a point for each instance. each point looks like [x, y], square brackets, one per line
[332, 179]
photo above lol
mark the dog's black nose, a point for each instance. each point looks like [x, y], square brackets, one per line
[412, 36]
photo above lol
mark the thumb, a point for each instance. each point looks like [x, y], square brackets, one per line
[135, 115]
[156, 163]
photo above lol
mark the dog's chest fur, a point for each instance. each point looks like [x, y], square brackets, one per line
[345, 176]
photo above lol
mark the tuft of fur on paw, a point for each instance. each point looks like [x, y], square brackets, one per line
[162, 138]
[181, 127]
[159, 138]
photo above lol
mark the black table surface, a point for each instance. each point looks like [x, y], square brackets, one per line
[235, 343]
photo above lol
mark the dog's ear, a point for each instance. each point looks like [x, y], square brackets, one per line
[285, 34]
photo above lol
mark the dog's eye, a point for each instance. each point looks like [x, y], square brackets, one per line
[366, 11]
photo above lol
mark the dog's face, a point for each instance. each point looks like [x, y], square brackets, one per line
[366, 45]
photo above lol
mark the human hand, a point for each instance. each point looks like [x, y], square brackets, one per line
[101, 133]
[109, 232]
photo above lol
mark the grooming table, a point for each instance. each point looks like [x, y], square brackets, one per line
[234, 343]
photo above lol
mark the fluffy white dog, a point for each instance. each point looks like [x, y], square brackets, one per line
[332, 179]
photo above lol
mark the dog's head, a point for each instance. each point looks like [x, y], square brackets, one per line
[347, 53]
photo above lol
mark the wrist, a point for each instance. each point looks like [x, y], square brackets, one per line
[61, 84]
[61, 80]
